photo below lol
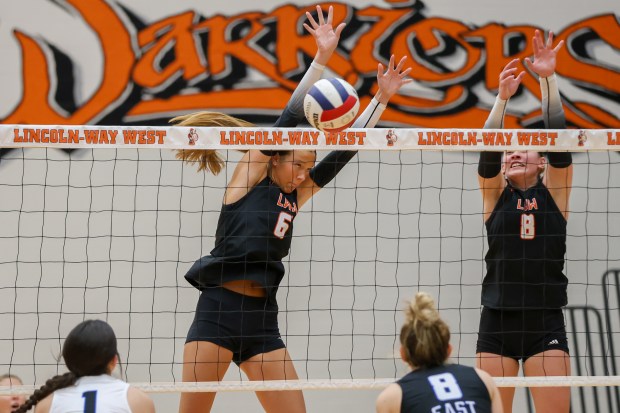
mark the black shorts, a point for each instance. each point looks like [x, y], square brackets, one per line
[245, 325]
[521, 334]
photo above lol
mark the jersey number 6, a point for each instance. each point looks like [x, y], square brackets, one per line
[282, 225]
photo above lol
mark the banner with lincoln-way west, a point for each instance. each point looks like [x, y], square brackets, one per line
[136, 62]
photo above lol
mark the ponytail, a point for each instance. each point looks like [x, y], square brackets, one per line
[425, 337]
[207, 159]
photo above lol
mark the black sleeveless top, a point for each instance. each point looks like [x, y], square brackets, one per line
[253, 236]
[448, 388]
[527, 243]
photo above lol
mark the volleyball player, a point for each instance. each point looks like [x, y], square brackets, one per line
[525, 197]
[434, 386]
[236, 315]
[9, 403]
[90, 353]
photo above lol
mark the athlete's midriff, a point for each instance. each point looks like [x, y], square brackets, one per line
[246, 287]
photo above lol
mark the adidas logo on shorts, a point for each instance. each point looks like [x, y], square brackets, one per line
[554, 341]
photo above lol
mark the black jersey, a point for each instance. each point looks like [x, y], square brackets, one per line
[253, 236]
[527, 243]
[448, 388]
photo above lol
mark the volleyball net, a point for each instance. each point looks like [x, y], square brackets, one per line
[103, 222]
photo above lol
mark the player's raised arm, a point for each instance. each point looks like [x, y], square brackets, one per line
[389, 80]
[490, 178]
[558, 177]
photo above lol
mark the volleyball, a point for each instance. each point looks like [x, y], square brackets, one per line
[331, 105]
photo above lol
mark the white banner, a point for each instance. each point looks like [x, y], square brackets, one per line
[176, 137]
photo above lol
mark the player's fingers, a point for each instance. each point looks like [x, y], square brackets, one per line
[391, 63]
[406, 72]
[339, 29]
[536, 45]
[320, 15]
[401, 63]
[507, 73]
[549, 40]
[559, 46]
[310, 29]
[512, 63]
[311, 19]
[330, 15]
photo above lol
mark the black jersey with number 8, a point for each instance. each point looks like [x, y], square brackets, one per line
[527, 244]
[448, 388]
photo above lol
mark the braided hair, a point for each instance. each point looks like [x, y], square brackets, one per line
[88, 350]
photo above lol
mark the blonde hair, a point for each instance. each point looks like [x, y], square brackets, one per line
[425, 337]
[207, 159]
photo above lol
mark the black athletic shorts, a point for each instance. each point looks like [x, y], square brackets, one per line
[521, 334]
[245, 325]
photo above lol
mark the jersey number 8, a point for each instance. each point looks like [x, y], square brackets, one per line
[445, 387]
[528, 226]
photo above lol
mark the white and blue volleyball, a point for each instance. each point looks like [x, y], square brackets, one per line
[331, 105]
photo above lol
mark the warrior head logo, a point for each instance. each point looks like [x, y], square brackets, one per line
[391, 137]
[582, 138]
[192, 136]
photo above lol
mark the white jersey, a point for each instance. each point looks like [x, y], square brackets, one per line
[92, 394]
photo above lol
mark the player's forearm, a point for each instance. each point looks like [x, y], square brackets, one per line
[370, 116]
[553, 112]
[496, 116]
[312, 75]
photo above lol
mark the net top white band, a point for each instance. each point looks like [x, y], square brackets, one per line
[357, 384]
[176, 137]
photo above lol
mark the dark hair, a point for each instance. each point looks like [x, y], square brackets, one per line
[88, 350]
[424, 336]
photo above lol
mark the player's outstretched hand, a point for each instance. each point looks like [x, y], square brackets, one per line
[324, 34]
[509, 81]
[544, 55]
[391, 79]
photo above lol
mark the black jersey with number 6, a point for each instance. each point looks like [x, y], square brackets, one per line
[253, 236]
[448, 388]
[527, 244]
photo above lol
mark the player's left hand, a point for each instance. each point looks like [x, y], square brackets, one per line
[324, 34]
[391, 79]
[544, 55]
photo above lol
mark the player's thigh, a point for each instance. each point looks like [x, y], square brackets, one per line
[275, 365]
[205, 361]
[499, 366]
[202, 361]
[549, 363]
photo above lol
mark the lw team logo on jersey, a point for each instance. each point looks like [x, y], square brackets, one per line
[391, 138]
[192, 136]
[527, 205]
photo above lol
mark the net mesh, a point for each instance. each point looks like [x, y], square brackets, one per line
[109, 233]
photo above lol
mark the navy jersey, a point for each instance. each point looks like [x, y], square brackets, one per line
[448, 388]
[527, 244]
[253, 236]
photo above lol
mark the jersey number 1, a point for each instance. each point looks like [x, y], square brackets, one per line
[90, 401]
[528, 226]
